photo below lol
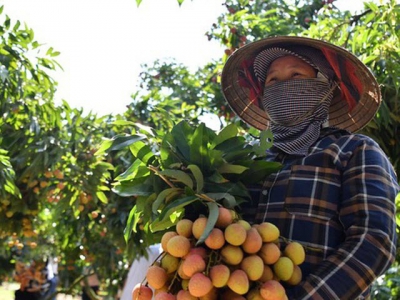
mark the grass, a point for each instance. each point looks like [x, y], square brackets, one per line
[6, 294]
[7, 291]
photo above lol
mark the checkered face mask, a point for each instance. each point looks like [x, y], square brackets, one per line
[297, 108]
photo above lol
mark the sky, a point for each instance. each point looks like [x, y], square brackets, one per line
[104, 42]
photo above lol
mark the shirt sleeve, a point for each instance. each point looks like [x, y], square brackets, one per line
[367, 212]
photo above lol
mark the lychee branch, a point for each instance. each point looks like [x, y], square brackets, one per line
[167, 181]
[174, 278]
[205, 198]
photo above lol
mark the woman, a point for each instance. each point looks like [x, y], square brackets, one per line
[30, 279]
[90, 284]
[336, 190]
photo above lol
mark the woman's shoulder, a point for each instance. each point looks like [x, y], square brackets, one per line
[342, 145]
[345, 138]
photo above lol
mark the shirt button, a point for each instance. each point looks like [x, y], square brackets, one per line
[265, 192]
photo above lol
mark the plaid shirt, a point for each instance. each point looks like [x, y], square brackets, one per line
[338, 202]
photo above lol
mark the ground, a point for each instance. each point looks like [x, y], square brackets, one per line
[7, 292]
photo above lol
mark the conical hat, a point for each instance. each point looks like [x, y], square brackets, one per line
[356, 102]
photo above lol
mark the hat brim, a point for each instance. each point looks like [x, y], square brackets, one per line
[340, 114]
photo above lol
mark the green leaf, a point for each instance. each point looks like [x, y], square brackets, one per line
[177, 204]
[266, 141]
[241, 154]
[144, 204]
[369, 59]
[102, 197]
[128, 189]
[259, 170]
[394, 117]
[234, 169]
[212, 219]
[198, 176]
[171, 220]
[105, 145]
[216, 178]
[236, 143]
[136, 170]
[142, 127]
[161, 197]
[131, 224]
[369, 17]
[160, 225]
[49, 51]
[237, 189]
[216, 160]
[73, 198]
[168, 153]
[229, 131]
[142, 152]
[178, 176]
[146, 129]
[199, 153]
[171, 208]
[229, 201]
[182, 134]
[122, 141]
[122, 122]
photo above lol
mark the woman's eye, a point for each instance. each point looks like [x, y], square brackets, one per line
[270, 81]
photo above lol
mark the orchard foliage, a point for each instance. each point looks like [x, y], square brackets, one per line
[52, 184]
[67, 178]
[167, 90]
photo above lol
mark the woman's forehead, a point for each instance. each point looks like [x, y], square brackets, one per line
[288, 61]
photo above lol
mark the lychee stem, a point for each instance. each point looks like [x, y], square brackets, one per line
[155, 170]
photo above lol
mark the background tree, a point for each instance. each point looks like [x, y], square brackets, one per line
[54, 193]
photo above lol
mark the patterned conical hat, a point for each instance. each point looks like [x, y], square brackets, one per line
[355, 103]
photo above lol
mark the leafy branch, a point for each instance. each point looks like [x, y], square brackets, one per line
[194, 171]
